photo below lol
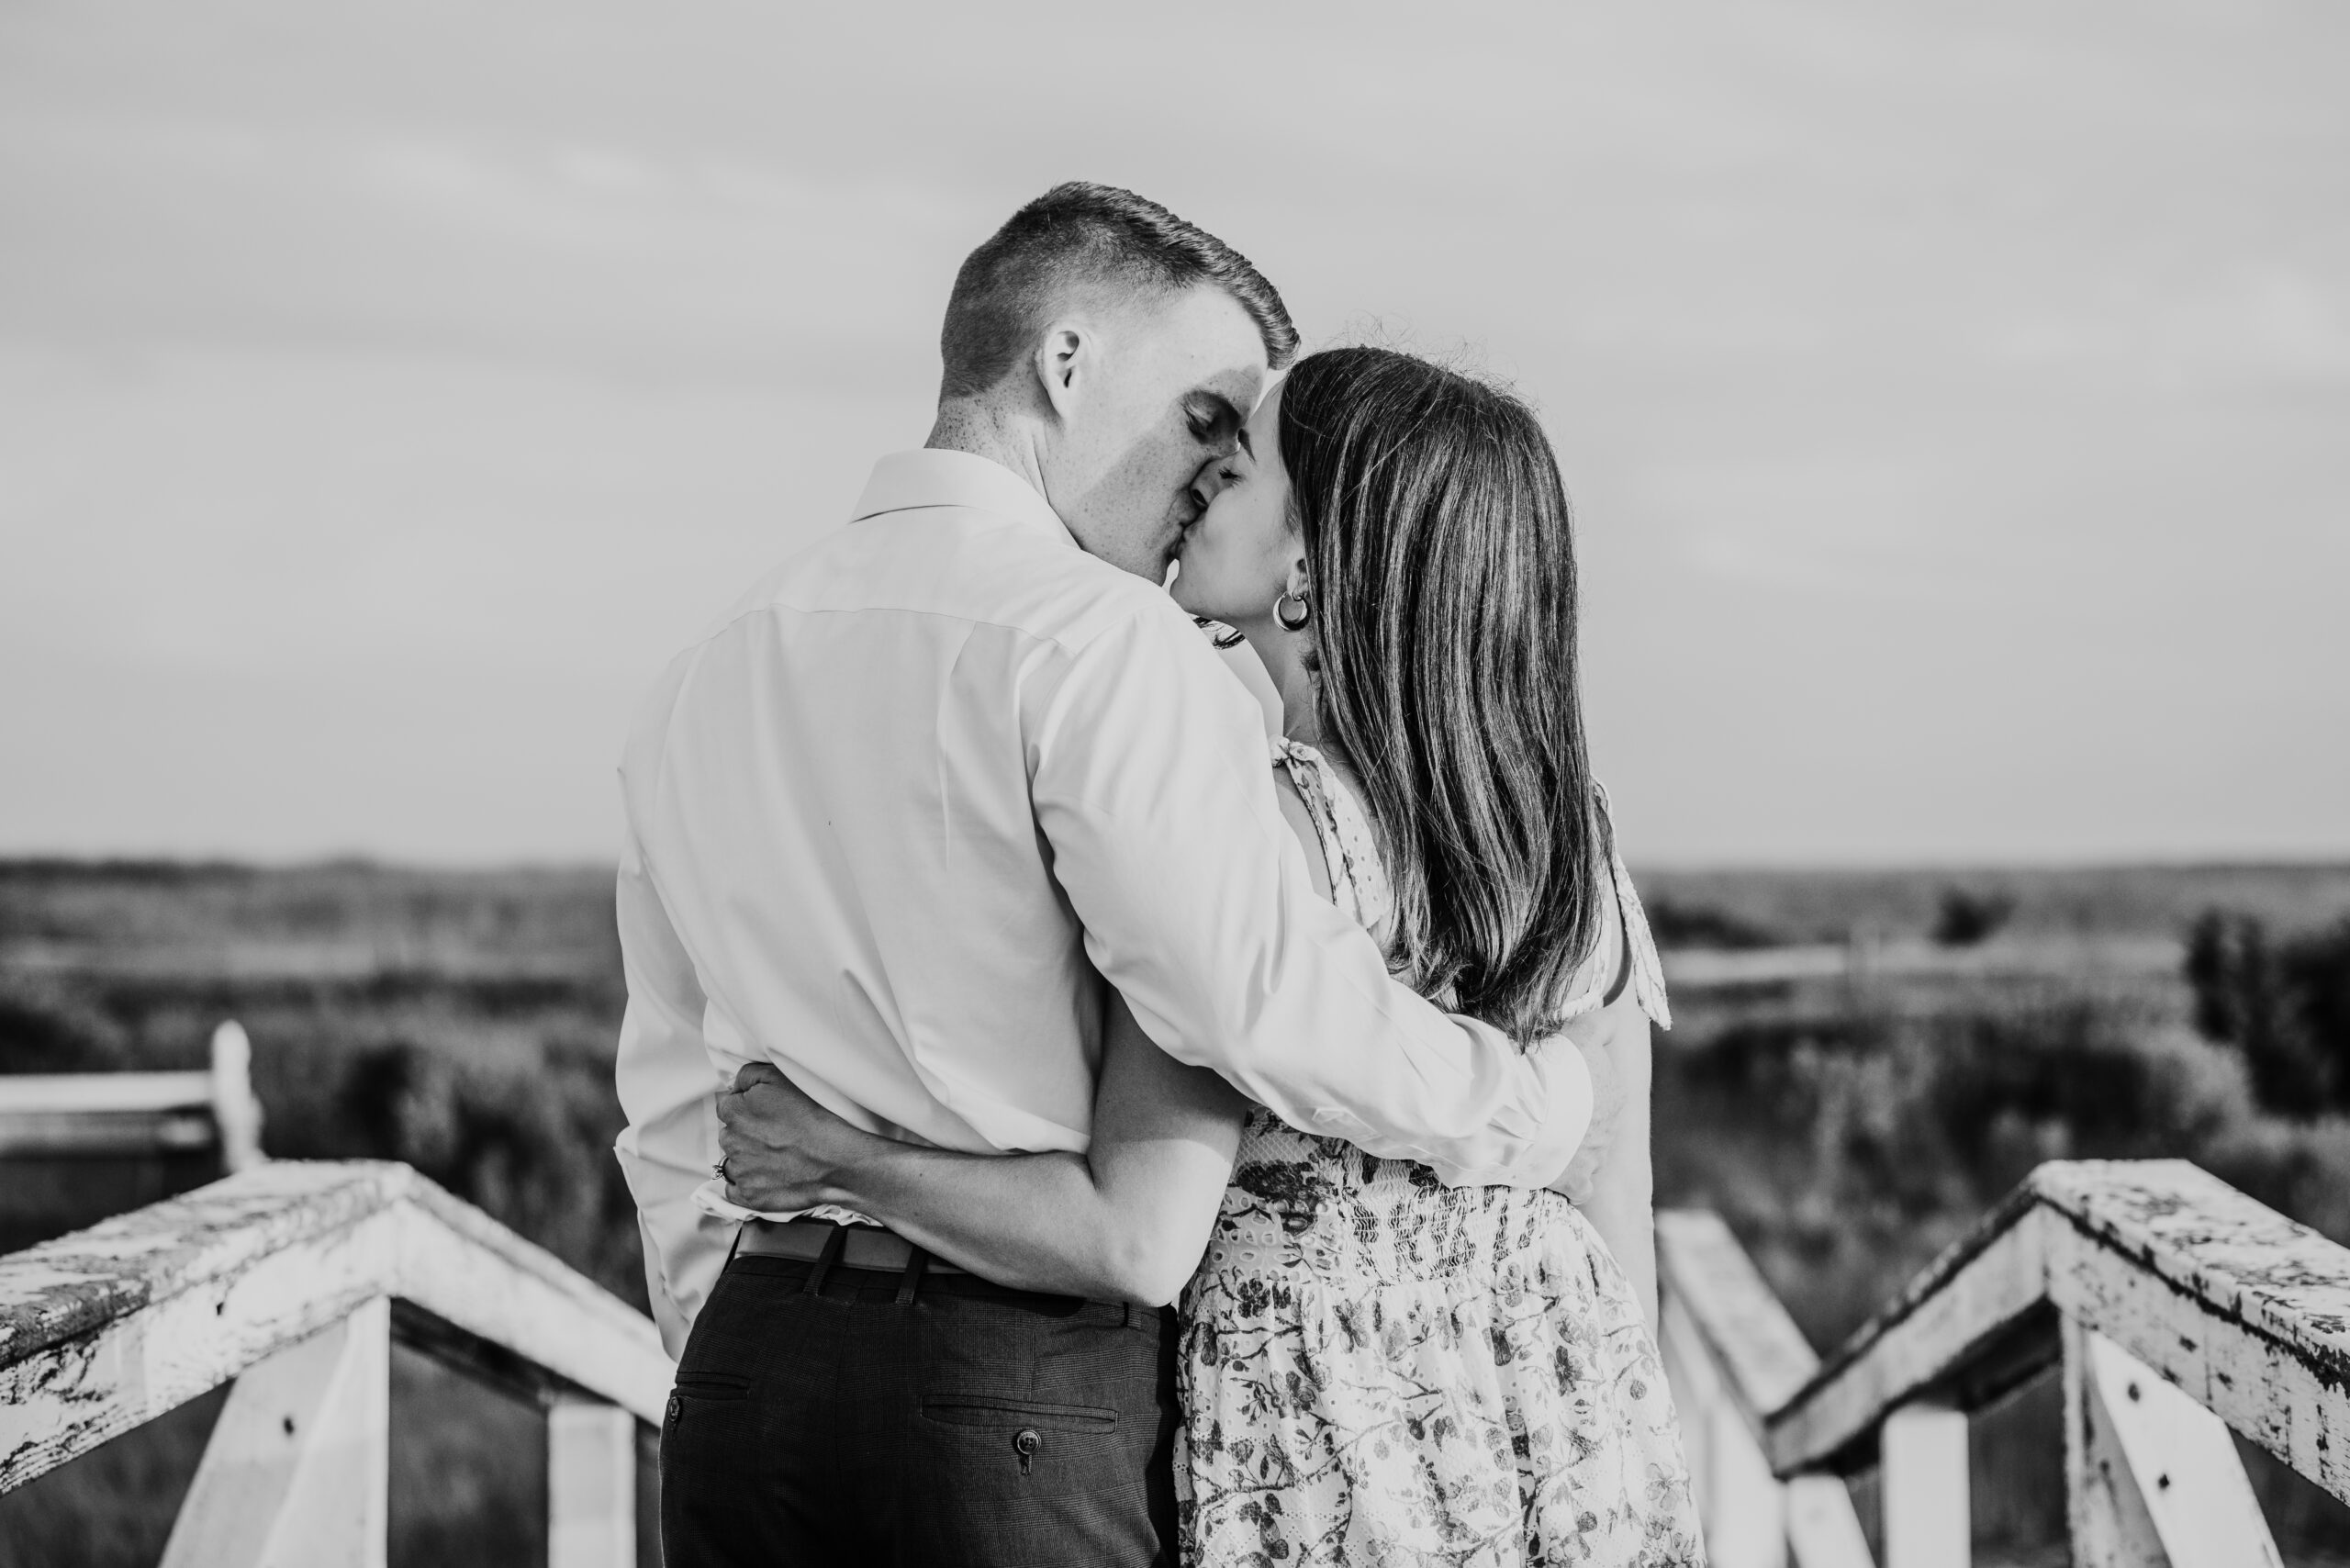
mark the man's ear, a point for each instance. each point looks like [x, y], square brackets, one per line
[1064, 363]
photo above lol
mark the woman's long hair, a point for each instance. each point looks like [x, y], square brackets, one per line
[1439, 544]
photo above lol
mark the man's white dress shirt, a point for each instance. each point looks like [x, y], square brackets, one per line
[929, 783]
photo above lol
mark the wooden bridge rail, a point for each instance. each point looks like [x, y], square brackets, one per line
[1732, 1356]
[294, 1279]
[107, 1115]
[2177, 1307]
[1866, 959]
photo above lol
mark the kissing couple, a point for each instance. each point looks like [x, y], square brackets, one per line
[996, 980]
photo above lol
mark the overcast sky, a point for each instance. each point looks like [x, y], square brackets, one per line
[1956, 402]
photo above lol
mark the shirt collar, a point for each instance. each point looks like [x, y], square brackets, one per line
[931, 477]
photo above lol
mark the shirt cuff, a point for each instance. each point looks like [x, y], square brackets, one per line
[711, 1199]
[1503, 1156]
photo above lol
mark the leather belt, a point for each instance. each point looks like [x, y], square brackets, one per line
[862, 1245]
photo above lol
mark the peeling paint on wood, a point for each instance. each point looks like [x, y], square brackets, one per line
[2153, 1477]
[112, 1326]
[296, 1472]
[2246, 1310]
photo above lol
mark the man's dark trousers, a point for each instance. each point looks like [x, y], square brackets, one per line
[927, 1422]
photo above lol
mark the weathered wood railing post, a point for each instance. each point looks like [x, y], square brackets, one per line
[235, 1110]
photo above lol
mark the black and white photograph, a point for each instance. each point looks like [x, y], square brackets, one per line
[1282, 786]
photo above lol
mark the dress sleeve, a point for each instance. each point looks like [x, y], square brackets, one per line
[1647, 970]
[1359, 882]
[1150, 784]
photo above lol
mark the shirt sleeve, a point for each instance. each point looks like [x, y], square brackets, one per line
[1153, 787]
[669, 1091]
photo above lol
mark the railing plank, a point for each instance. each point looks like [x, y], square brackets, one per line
[1927, 1518]
[1738, 1501]
[1699, 968]
[1764, 1356]
[476, 1276]
[591, 1485]
[1733, 1355]
[113, 1325]
[77, 1093]
[1695, 1383]
[76, 1390]
[79, 1114]
[2104, 1514]
[109, 1134]
[1823, 1530]
[2152, 1476]
[1968, 1301]
[296, 1472]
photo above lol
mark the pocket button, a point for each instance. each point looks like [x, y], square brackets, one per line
[1025, 1442]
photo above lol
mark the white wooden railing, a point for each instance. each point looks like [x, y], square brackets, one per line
[1732, 1356]
[293, 1278]
[1866, 959]
[49, 1116]
[2177, 1307]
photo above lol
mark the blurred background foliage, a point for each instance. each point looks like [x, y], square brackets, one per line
[1849, 1128]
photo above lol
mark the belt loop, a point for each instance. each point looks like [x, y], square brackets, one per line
[826, 1258]
[1125, 1314]
[917, 1263]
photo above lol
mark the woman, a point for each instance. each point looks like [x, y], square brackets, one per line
[1376, 1368]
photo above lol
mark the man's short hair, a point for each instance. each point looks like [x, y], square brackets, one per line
[1075, 234]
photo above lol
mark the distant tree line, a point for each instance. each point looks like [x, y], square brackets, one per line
[2283, 1003]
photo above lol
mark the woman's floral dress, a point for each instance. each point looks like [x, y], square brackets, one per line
[1377, 1369]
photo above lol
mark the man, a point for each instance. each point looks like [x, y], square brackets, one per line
[891, 825]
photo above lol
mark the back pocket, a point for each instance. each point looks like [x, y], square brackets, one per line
[985, 1410]
[712, 1385]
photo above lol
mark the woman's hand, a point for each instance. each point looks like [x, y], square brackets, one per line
[781, 1152]
[1609, 1097]
[1609, 1178]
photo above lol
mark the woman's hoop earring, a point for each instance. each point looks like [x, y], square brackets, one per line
[1292, 620]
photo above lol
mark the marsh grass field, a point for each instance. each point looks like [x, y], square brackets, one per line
[1847, 1127]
